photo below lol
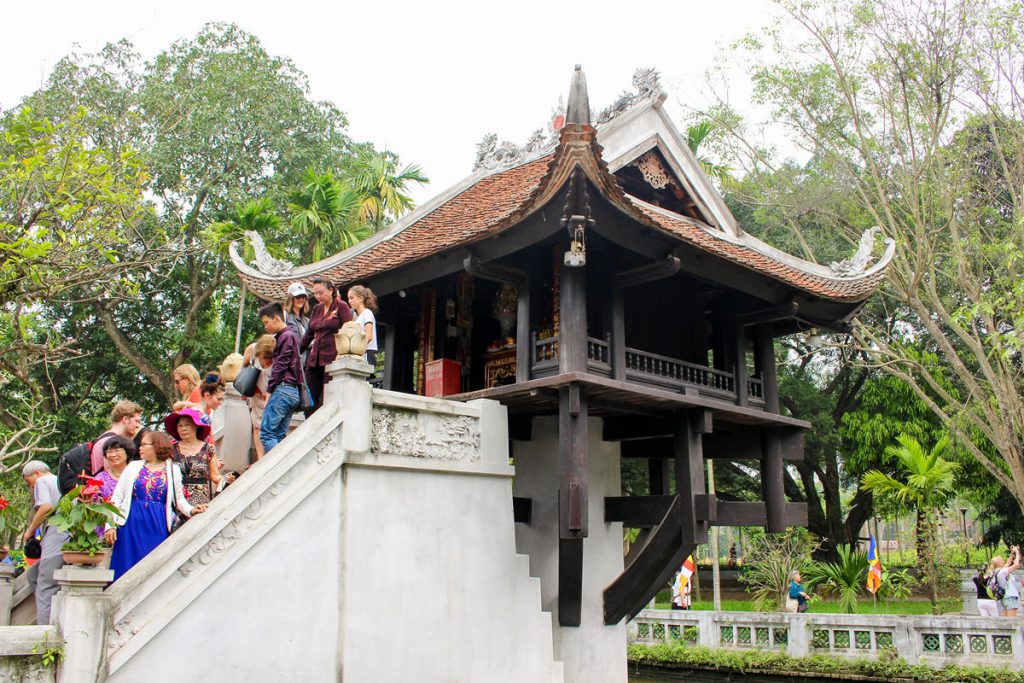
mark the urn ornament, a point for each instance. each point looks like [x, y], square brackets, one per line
[351, 340]
[230, 367]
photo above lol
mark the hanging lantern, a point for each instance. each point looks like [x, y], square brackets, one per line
[577, 255]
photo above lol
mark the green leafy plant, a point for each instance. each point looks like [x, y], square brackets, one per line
[50, 653]
[771, 558]
[843, 579]
[79, 513]
[897, 584]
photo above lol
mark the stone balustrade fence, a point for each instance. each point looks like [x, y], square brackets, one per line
[935, 640]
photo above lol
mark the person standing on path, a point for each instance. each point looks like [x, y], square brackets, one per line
[283, 386]
[364, 303]
[45, 495]
[1008, 582]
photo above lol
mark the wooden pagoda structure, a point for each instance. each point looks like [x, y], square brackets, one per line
[596, 272]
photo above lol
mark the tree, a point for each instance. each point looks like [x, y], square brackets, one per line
[381, 187]
[327, 214]
[911, 114]
[216, 121]
[70, 216]
[927, 485]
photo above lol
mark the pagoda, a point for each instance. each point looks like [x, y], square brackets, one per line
[595, 283]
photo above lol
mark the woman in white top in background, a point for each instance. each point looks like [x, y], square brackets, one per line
[364, 303]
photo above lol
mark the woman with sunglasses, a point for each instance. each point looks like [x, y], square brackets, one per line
[186, 383]
[147, 494]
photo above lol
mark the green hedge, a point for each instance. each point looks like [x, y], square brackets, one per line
[890, 669]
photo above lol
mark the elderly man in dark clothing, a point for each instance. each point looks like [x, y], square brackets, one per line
[285, 383]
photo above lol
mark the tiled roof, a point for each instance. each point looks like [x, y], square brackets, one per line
[713, 242]
[483, 208]
[499, 201]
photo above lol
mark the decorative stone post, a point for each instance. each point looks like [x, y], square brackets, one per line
[235, 434]
[348, 386]
[80, 613]
[6, 593]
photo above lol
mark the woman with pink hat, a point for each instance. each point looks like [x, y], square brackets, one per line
[194, 454]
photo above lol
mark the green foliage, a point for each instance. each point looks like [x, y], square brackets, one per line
[927, 478]
[897, 584]
[78, 514]
[770, 560]
[844, 579]
[327, 214]
[776, 663]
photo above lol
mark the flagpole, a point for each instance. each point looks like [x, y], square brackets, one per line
[715, 569]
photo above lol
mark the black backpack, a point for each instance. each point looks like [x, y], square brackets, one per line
[74, 463]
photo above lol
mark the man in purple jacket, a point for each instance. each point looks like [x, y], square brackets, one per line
[285, 383]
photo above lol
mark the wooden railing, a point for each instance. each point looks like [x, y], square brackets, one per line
[755, 391]
[677, 374]
[599, 355]
[544, 360]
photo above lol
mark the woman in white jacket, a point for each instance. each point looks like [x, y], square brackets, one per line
[147, 493]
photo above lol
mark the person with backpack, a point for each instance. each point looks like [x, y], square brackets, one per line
[988, 606]
[126, 421]
[1006, 587]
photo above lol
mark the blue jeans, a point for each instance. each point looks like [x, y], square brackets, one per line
[277, 414]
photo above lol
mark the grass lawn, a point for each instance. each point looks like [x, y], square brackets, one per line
[823, 607]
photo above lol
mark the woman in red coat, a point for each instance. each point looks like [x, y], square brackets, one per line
[329, 314]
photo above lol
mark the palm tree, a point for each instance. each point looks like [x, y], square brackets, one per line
[381, 190]
[256, 215]
[927, 485]
[695, 137]
[845, 578]
[326, 213]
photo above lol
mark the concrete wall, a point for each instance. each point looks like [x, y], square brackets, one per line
[591, 652]
[375, 543]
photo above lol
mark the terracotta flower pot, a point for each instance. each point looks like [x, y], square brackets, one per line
[351, 340]
[75, 557]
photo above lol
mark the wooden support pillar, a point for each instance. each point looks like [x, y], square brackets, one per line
[572, 321]
[572, 501]
[689, 472]
[740, 357]
[771, 481]
[618, 335]
[524, 347]
[764, 353]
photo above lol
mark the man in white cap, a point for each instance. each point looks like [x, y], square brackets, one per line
[296, 308]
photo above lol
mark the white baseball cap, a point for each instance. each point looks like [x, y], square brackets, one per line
[297, 289]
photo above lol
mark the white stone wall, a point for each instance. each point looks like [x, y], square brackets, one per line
[340, 556]
[591, 652]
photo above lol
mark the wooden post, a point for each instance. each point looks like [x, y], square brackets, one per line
[524, 348]
[740, 356]
[771, 481]
[572, 501]
[765, 356]
[572, 323]
[618, 343]
[689, 472]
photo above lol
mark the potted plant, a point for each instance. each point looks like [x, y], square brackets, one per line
[79, 514]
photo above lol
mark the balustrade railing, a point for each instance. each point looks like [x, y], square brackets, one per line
[675, 373]
[598, 354]
[935, 640]
[755, 391]
[545, 355]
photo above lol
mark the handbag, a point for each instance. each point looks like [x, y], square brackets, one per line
[305, 401]
[802, 607]
[176, 520]
[245, 382]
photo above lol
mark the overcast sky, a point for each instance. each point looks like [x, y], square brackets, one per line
[424, 79]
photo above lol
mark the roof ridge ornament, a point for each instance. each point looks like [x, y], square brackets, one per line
[265, 263]
[858, 263]
[647, 82]
[578, 109]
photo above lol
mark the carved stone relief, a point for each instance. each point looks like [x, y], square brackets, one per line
[425, 435]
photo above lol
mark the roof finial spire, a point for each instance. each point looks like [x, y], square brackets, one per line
[578, 108]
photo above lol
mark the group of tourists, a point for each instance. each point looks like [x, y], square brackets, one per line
[998, 586]
[159, 479]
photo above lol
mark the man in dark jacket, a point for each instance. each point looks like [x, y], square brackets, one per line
[285, 383]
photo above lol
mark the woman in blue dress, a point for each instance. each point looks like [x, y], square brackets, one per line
[146, 494]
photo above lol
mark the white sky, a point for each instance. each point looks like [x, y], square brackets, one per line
[425, 80]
